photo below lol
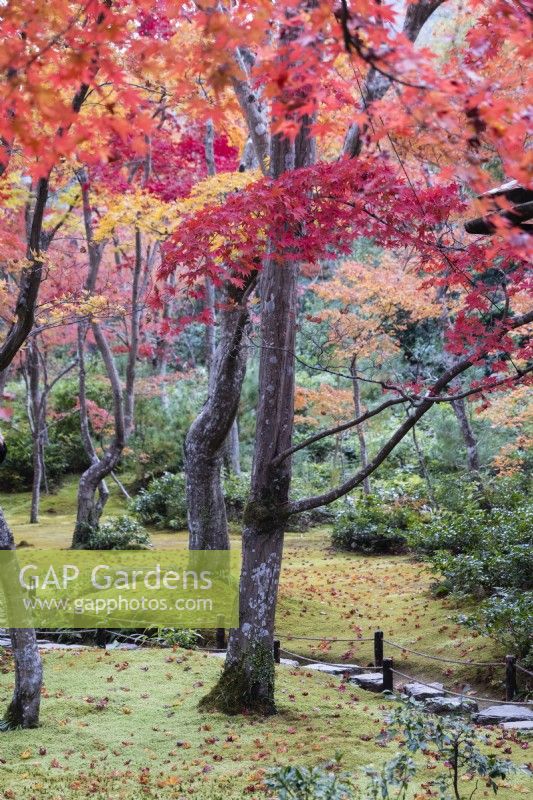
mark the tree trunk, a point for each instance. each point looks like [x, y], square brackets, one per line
[360, 428]
[34, 416]
[206, 441]
[424, 470]
[37, 479]
[23, 711]
[135, 328]
[472, 455]
[247, 683]
[206, 510]
[459, 409]
[90, 506]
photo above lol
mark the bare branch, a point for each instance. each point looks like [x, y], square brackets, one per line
[416, 413]
[344, 426]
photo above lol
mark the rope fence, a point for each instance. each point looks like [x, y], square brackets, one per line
[510, 663]
[381, 664]
[458, 694]
[465, 662]
[325, 663]
[330, 640]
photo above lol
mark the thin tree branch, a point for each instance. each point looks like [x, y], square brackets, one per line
[415, 414]
[344, 426]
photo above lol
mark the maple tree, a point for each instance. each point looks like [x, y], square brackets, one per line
[307, 214]
[54, 57]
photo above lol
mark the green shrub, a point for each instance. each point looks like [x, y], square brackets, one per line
[479, 554]
[508, 618]
[469, 532]
[452, 748]
[119, 533]
[456, 748]
[178, 637]
[163, 503]
[304, 783]
[236, 490]
[487, 555]
[17, 470]
[372, 526]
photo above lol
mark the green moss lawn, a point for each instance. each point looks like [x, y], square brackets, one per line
[125, 724]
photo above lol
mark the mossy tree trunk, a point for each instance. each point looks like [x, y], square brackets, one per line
[247, 682]
[23, 710]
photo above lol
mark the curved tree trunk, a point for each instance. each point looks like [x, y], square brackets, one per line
[204, 444]
[32, 377]
[211, 437]
[472, 454]
[92, 492]
[23, 711]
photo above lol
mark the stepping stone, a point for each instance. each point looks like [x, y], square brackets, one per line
[522, 726]
[504, 713]
[371, 681]
[421, 691]
[451, 705]
[334, 669]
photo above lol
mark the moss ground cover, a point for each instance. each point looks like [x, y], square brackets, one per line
[125, 725]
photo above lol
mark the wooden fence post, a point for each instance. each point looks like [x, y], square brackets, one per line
[221, 634]
[378, 648]
[388, 675]
[277, 654]
[510, 677]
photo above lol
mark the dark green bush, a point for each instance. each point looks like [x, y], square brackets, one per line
[237, 489]
[119, 533]
[456, 533]
[487, 555]
[482, 552]
[508, 618]
[16, 474]
[372, 526]
[163, 503]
